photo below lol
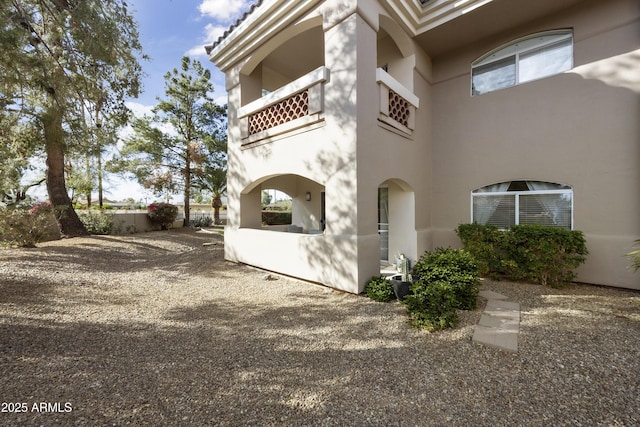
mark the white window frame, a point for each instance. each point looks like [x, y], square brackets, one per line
[521, 47]
[517, 195]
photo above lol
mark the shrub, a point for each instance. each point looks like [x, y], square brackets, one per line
[545, 255]
[203, 221]
[276, 218]
[162, 214]
[97, 222]
[25, 227]
[485, 243]
[454, 267]
[446, 280]
[379, 289]
[431, 306]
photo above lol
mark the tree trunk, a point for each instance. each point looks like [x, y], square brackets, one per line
[70, 224]
[187, 187]
[216, 204]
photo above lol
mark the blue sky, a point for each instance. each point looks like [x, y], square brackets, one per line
[170, 29]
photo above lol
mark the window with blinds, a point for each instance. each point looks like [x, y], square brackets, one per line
[523, 202]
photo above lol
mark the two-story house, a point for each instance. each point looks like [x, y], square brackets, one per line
[391, 122]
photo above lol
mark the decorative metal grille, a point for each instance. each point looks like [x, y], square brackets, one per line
[398, 108]
[284, 111]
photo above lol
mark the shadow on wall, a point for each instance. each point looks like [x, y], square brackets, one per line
[617, 71]
[336, 255]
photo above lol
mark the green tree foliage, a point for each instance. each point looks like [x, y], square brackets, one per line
[214, 180]
[183, 140]
[65, 65]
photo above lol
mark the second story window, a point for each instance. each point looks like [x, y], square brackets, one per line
[530, 58]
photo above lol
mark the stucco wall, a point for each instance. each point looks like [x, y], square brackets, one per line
[564, 129]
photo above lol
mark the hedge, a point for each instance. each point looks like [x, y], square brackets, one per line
[542, 254]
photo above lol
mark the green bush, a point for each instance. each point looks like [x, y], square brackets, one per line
[27, 226]
[543, 254]
[203, 221]
[97, 222]
[485, 243]
[431, 306]
[379, 289]
[162, 214]
[454, 267]
[445, 280]
[276, 218]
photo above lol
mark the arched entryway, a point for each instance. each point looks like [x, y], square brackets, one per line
[396, 220]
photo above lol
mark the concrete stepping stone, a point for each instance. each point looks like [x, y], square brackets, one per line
[499, 324]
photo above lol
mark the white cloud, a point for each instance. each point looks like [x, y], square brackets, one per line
[139, 110]
[223, 10]
[211, 35]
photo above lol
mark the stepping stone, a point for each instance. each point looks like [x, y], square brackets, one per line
[498, 338]
[499, 323]
[490, 295]
[503, 309]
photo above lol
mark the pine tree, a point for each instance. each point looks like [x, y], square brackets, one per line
[66, 63]
[185, 136]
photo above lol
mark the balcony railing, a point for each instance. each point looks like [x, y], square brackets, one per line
[295, 105]
[397, 103]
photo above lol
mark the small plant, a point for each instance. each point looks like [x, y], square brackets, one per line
[162, 214]
[404, 268]
[379, 289]
[97, 222]
[635, 256]
[26, 227]
[203, 221]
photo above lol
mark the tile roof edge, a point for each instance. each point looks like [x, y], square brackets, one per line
[245, 15]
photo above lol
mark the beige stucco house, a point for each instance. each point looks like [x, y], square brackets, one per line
[391, 122]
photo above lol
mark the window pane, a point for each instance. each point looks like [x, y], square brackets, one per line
[546, 209]
[545, 61]
[493, 76]
[495, 210]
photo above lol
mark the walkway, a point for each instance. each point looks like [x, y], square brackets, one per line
[499, 324]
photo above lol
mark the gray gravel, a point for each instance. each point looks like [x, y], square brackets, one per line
[157, 329]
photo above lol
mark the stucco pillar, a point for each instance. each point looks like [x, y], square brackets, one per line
[350, 47]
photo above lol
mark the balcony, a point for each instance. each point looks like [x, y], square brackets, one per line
[397, 103]
[296, 105]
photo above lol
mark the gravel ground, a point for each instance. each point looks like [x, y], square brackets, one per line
[157, 329]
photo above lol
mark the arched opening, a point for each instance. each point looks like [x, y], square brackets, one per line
[289, 56]
[394, 52]
[396, 220]
[285, 203]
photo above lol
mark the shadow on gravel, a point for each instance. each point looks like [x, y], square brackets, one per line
[308, 358]
[232, 363]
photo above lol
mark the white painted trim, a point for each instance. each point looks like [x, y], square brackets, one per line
[386, 79]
